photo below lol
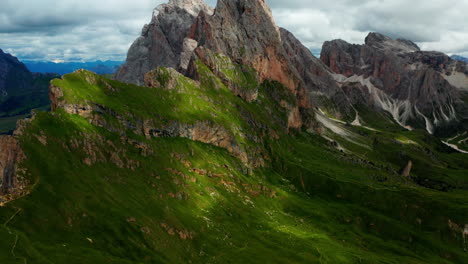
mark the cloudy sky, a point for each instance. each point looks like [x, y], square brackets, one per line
[74, 30]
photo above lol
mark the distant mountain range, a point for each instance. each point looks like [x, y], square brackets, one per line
[459, 58]
[99, 67]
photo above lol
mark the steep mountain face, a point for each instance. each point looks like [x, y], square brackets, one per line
[13, 75]
[21, 90]
[245, 33]
[10, 157]
[315, 76]
[418, 88]
[162, 42]
[217, 160]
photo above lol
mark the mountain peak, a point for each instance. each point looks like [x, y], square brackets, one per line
[193, 7]
[162, 41]
[419, 88]
[381, 41]
[242, 32]
[245, 7]
[238, 28]
[7, 58]
[375, 37]
[248, 14]
[237, 20]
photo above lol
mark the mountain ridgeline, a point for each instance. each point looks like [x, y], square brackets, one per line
[459, 58]
[99, 67]
[222, 139]
[418, 88]
[20, 91]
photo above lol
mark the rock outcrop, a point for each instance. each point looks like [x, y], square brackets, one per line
[163, 78]
[314, 75]
[406, 171]
[419, 88]
[204, 131]
[10, 156]
[161, 43]
[246, 32]
[242, 30]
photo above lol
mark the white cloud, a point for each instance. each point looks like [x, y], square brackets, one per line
[434, 25]
[90, 29]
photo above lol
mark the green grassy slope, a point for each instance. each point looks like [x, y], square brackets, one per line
[173, 200]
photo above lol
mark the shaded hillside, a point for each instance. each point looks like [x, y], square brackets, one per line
[20, 90]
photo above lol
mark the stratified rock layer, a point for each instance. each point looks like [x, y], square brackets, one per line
[418, 88]
[161, 43]
[10, 155]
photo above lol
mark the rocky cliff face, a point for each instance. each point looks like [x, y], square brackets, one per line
[10, 157]
[162, 42]
[13, 74]
[418, 88]
[244, 31]
[314, 75]
[21, 90]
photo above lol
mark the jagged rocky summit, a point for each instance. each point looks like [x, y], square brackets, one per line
[418, 88]
[184, 31]
[163, 42]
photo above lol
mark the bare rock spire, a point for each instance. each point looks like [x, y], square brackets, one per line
[161, 43]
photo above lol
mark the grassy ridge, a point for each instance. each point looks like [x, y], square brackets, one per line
[126, 213]
[172, 200]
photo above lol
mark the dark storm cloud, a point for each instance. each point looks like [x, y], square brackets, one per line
[435, 25]
[48, 24]
[90, 29]
[70, 29]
